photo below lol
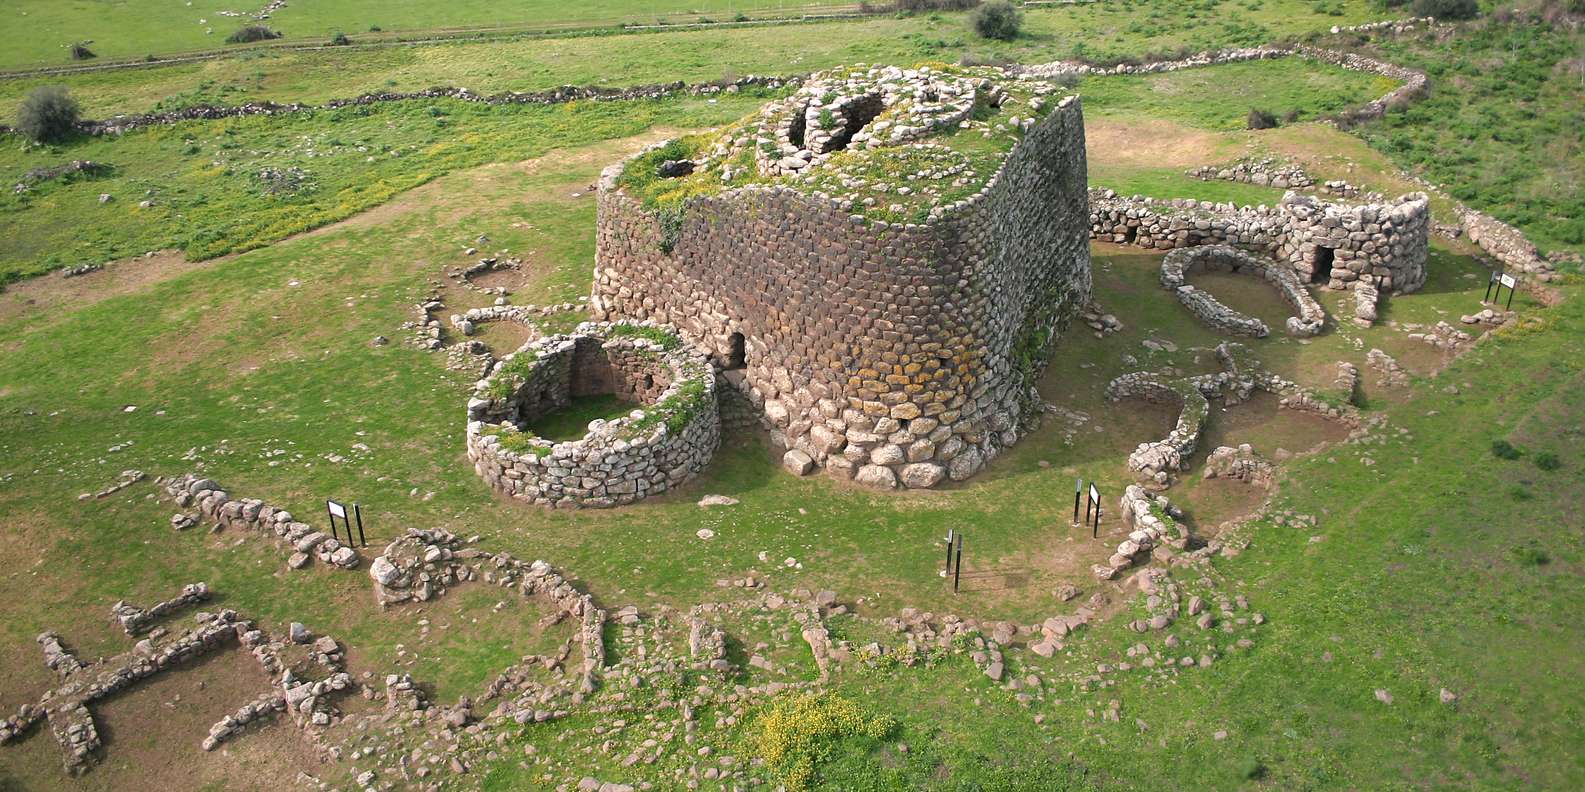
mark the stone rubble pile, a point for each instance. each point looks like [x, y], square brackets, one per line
[1488, 316]
[1266, 172]
[59, 659]
[1366, 298]
[126, 479]
[1241, 463]
[1392, 374]
[136, 621]
[301, 539]
[1151, 521]
[1443, 336]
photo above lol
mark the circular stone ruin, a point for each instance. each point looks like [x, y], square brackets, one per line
[1308, 318]
[661, 443]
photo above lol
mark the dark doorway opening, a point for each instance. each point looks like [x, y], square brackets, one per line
[737, 354]
[1321, 271]
[859, 114]
[795, 132]
[1130, 235]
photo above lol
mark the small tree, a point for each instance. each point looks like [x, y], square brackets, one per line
[47, 115]
[340, 40]
[251, 33]
[1446, 9]
[1261, 119]
[998, 19]
[80, 51]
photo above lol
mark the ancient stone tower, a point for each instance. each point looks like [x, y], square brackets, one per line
[879, 263]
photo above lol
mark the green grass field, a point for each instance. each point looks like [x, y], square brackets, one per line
[202, 180]
[134, 28]
[1434, 562]
[1099, 30]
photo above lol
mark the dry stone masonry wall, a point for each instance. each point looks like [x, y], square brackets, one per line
[667, 439]
[306, 690]
[1332, 244]
[1309, 316]
[216, 505]
[1154, 462]
[893, 354]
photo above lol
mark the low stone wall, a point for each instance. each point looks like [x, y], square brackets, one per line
[563, 95]
[1150, 522]
[420, 565]
[1413, 82]
[217, 505]
[1178, 264]
[1266, 172]
[1504, 242]
[654, 448]
[1156, 460]
[1334, 244]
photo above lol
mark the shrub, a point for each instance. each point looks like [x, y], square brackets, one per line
[1546, 460]
[934, 5]
[80, 51]
[251, 33]
[1261, 119]
[1502, 449]
[797, 731]
[1446, 9]
[47, 115]
[374, 28]
[339, 40]
[1530, 553]
[998, 19]
[1251, 769]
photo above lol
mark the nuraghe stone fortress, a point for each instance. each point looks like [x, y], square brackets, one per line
[891, 348]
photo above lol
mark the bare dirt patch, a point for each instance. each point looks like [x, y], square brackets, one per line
[54, 292]
[1153, 143]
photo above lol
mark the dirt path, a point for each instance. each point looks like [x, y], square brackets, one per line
[37, 297]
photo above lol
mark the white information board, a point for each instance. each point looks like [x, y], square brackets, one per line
[337, 510]
[1509, 281]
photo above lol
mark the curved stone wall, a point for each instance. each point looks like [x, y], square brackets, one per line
[893, 354]
[1309, 317]
[659, 445]
[1337, 245]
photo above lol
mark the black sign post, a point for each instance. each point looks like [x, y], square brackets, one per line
[951, 537]
[1095, 495]
[1078, 487]
[337, 510]
[1499, 280]
[957, 570]
[357, 512]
